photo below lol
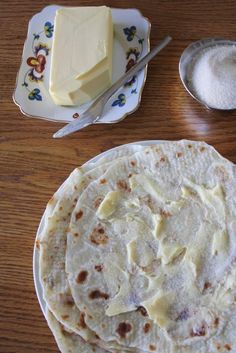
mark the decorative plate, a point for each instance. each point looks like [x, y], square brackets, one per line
[131, 42]
[37, 284]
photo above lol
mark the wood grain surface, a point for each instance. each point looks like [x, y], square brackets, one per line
[33, 165]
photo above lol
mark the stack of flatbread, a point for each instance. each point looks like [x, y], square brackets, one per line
[138, 252]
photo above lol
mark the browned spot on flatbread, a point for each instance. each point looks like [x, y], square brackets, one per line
[93, 349]
[103, 181]
[228, 347]
[122, 185]
[76, 234]
[69, 214]
[146, 327]
[216, 322]
[103, 326]
[97, 337]
[218, 346]
[190, 146]
[98, 268]
[162, 159]
[199, 332]
[123, 329]
[64, 331]
[98, 236]
[66, 299]
[60, 208]
[142, 310]
[165, 213]
[82, 322]
[90, 317]
[82, 276]
[65, 317]
[133, 163]
[97, 202]
[97, 294]
[207, 285]
[152, 347]
[129, 175]
[70, 300]
[75, 201]
[78, 215]
[202, 149]
[179, 154]
[37, 244]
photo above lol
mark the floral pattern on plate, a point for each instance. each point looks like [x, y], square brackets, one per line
[131, 42]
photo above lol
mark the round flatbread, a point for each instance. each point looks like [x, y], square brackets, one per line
[152, 265]
[52, 243]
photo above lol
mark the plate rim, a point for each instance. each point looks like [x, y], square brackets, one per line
[25, 114]
[35, 262]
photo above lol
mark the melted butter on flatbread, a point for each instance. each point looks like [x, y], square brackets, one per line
[132, 251]
[157, 308]
[133, 203]
[193, 256]
[121, 303]
[225, 294]
[169, 252]
[108, 205]
[157, 219]
[149, 185]
[213, 198]
[139, 253]
[220, 242]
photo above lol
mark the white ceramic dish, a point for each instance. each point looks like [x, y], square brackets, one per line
[131, 42]
[38, 287]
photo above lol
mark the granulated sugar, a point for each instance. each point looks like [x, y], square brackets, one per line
[214, 76]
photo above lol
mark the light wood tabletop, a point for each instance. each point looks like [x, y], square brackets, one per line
[33, 164]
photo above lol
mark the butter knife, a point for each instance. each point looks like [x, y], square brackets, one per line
[94, 112]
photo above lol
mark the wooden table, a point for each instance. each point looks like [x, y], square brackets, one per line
[33, 165]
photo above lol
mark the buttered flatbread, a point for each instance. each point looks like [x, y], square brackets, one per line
[163, 239]
[138, 252]
[52, 244]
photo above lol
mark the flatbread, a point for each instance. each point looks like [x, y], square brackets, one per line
[164, 241]
[67, 341]
[52, 242]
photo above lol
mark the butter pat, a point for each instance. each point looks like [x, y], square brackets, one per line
[108, 205]
[81, 64]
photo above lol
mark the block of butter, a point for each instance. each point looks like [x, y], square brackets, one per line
[81, 64]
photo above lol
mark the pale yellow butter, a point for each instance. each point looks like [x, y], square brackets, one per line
[108, 205]
[81, 64]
